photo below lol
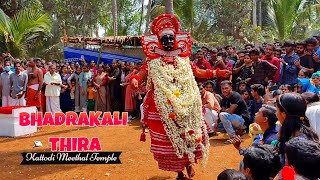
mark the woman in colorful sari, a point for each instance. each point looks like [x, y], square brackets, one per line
[100, 80]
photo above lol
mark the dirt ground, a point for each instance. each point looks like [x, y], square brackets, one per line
[137, 160]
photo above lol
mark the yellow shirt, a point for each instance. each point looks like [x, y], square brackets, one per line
[91, 92]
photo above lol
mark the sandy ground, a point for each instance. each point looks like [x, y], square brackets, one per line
[137, 160]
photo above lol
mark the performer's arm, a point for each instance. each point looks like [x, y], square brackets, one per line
[135, 80]
[40, 76]
[209, 73]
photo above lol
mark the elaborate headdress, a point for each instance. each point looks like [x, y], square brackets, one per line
[163, 25]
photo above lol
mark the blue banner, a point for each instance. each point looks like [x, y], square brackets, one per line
[75, 54]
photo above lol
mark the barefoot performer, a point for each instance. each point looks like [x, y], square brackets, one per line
[35, 83]
[173, 107]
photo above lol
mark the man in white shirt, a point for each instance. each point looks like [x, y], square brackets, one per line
[53, 83]
[5, 85]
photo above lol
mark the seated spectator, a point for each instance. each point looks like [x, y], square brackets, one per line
[266, 118]
[235, 115]
[247, 98]
[313, 110]
[303, 74]
[231, 174]
[304, 85]
[291, 109]
[316, 79]
[257, 92]
[210, 86]
[268, 99]
[304, 156]
[286, 88]
[303, 160]
[276, 93]
[211, 107]
[261, 162]
[242, 86]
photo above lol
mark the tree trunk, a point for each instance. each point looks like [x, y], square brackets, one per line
[254, 13]
[148, 16]
[141, 17]
[169, 7]
[115, 17]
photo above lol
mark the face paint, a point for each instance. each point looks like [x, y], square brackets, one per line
[167, 42]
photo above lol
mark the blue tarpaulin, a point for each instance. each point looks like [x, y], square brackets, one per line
[74, 55]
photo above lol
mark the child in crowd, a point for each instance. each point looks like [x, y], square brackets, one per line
[91, 96]
[247, 98]
[303, 74]
[242, 86]
[73, 92]
[257, 92]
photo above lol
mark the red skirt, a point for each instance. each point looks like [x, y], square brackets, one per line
[162, 149]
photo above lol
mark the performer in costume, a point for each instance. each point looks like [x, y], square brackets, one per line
[172, 106]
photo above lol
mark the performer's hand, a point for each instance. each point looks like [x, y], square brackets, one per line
[224, 73]
[135, 83]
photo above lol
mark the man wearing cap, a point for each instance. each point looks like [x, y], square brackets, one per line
[289, 69]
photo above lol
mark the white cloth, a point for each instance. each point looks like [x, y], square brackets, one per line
[6, 101]
[210, 117]
[52, 90]
[17, 102]
[313, 114]
[53, 104]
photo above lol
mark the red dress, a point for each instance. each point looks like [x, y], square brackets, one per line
[161, 146]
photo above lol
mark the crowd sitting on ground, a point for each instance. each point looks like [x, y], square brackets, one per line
[272, 95]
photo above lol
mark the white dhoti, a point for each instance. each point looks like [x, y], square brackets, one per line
[210, 117]
[6, 100]
[17, 102]
[53, 104]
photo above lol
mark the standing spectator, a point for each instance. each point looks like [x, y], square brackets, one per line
[272, 60]
[75, 77]
[248, 47]
[72, 93]
[213, 56]
[130, 101]
[306, 61]
[84, 76]
[311, 44]
[18, 84]
[234, 114]
[53, 83]
[247, 70]
[201, 63]
[65, 98]
[263, 70]
[92, 67]
[237, 67]
[290, 70]
[116, 90]
[100, 81]
[223, 64]
[5, 85]
[231, 54]
[35, 83]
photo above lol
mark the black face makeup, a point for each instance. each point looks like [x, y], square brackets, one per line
[167, 42]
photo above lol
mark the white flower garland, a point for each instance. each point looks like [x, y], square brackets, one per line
[179, 87]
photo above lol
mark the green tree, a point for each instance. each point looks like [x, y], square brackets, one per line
[20, 32]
